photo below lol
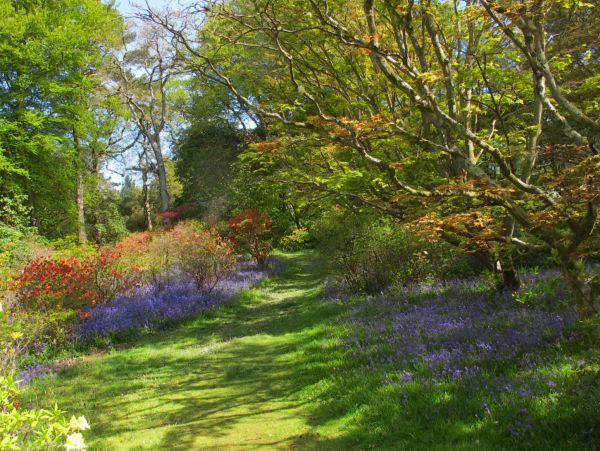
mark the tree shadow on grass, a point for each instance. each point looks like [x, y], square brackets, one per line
[265, 372]
[236, 366]
[189, 396]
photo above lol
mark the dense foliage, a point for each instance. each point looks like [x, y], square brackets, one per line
[50, 59]
[251, 233]
[202, 255]
[147, 279]
[71, 283]
[457, 120]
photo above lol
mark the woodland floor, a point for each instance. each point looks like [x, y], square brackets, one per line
[269, 370]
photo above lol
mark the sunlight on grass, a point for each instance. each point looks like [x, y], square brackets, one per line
[273, 370]
[221, 380]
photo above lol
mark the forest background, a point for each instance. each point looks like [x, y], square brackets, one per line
[473, 125]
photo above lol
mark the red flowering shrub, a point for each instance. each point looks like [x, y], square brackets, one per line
[174, 213]
[251, 233]
[202, 255]
[186, 249]
[72, 283]
[133, 244]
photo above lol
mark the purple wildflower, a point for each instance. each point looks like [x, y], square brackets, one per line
[148, 308]
[460, 326]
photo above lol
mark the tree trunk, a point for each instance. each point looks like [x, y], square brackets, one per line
[505, 264]
[79, 195]
[34, 217]
[162, 176]
[585, 290]
[294, 216]
[509, 277]
[147, 212]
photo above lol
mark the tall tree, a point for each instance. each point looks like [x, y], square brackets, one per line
[49, 54]
[143, 73]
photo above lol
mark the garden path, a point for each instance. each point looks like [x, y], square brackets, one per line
[240, 377]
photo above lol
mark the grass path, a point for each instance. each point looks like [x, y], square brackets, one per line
[242, 377]
[270, 371]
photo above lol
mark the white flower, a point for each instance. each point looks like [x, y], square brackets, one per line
[79, 424]
[75, 442]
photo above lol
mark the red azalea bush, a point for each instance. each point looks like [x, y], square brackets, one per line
[133, 244]
[202, 255]
[251, 233]
[176, 212]
[71, 283]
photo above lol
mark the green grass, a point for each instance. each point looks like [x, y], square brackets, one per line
[240, 377]
[263, 372]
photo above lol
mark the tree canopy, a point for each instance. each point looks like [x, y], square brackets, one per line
[50, 54]
[459, 117]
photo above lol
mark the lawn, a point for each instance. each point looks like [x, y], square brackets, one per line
[239, 377]
[282, 367]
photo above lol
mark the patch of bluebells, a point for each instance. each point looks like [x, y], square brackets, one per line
[449, 329]
[148, 308]
[38, 370]
[493, 348]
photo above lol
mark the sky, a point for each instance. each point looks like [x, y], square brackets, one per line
[126, 6]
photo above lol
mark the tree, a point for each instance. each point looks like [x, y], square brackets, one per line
[49, 55]
[134, 205]
[143, 75]
[443, 114]
[206, 150]
[104, 222]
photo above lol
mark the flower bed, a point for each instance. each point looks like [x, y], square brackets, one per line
[149, 308]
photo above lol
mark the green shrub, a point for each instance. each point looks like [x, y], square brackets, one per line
[380, 256]
[18, 246]
[150, 255]
[296, 240]
[15, 212]
[35, 429]
[69, 246]
[104, 222]
[202, 255]
[29, 336]
[188, 249]
[371, 253]
[547, 292]
[157, 262]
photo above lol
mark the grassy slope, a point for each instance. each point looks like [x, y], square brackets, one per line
[264, 373]
[239, 378]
